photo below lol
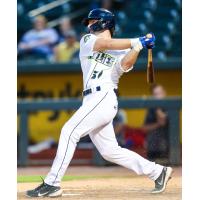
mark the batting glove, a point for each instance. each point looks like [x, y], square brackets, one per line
[148, 41]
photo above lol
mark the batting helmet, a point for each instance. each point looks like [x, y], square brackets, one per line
[106, 20]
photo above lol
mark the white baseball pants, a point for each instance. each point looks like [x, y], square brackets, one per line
[95, 117]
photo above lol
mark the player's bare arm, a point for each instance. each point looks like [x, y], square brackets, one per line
[129, 59]
[103, 44]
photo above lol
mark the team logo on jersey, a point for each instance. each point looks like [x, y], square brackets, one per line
[104, 59]
[86, 38]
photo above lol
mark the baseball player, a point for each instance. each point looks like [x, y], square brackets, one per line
[103, 61]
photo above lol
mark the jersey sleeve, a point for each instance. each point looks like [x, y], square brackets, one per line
[119, 62]
[87, 44]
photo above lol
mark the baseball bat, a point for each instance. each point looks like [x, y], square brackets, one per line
[150, 68]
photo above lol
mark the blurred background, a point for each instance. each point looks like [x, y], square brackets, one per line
[49, 85]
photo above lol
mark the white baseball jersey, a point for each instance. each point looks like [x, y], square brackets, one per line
[100, 68]
[96, 114]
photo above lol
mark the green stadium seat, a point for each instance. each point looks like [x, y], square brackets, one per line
[134, 19]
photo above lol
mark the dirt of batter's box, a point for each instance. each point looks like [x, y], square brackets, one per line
[137, 188]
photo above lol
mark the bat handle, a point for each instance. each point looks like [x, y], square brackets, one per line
[150, 56]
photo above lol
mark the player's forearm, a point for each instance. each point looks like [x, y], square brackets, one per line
[129, 59]
[117, 44]
[102, 44]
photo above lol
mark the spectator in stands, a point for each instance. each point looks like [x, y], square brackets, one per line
[127, 137]
[68, 49]
[107, 4]
[39, 41]
[156, 127]
[64, 27]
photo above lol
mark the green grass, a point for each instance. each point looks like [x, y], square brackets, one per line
[28, 179]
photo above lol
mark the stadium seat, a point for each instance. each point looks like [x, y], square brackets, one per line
[135, 18]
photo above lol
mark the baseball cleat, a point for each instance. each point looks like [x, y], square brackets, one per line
[45, 190]
[161, 181]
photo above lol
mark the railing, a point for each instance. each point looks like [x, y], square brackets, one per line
[71, 15]
[47, 7]
[32, 67]
[172, 105]
[52, 5]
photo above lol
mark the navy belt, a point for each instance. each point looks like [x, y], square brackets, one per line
[89, 91]
[98, 88]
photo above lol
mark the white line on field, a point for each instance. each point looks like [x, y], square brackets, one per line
[70, 194]
[75, 189]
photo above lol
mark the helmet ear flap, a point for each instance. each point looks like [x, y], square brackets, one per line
[103, 24]
[97, 26]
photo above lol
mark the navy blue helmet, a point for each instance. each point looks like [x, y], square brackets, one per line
[106, 20]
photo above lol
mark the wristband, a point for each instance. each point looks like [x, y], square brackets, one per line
[136, 44]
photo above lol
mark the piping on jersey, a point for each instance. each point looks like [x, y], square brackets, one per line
[90, 75]
[73, 131]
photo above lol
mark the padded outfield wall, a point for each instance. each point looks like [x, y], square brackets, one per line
[37, 85]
